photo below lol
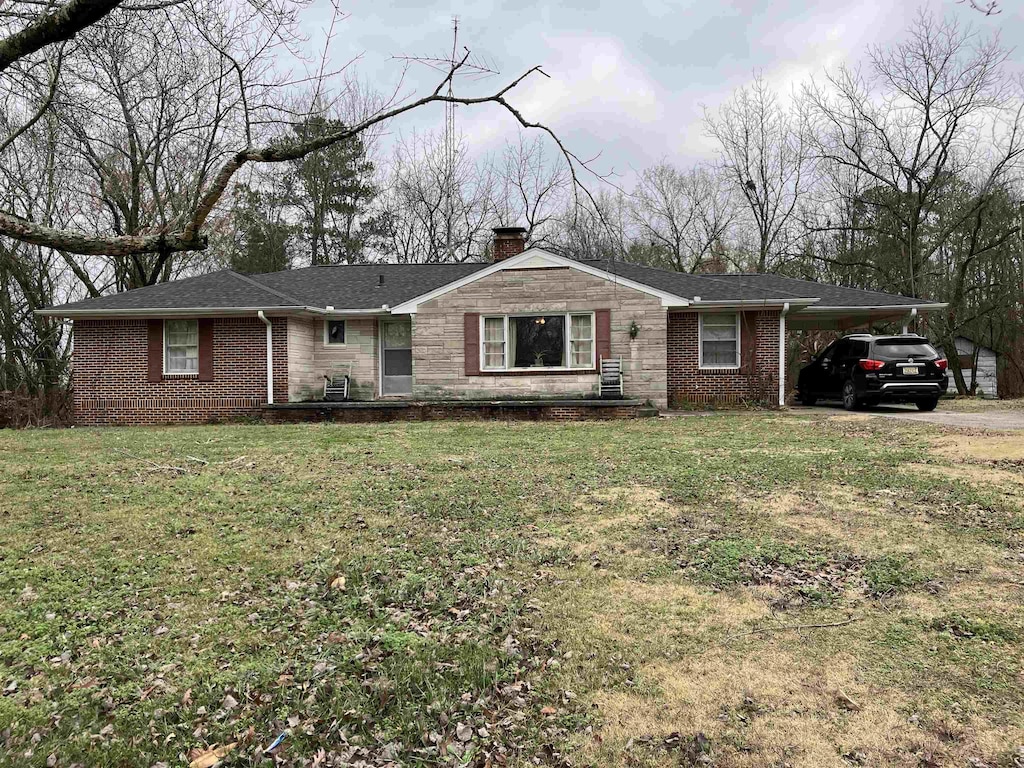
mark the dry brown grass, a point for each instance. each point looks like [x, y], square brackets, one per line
[889, 688]
[981, 447]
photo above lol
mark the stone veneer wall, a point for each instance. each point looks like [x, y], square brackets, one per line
[438, 328]
[110, 383]
[309, 358]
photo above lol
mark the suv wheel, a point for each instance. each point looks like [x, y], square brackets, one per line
[927, 404]
[850, 400]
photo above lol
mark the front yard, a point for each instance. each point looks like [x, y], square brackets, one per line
[729, 590]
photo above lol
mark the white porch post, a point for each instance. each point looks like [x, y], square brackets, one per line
[782, 354]
[270, 356]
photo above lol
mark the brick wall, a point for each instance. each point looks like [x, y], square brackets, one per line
[110, 383]
[432, 411]
[438, 330]
[687, 383]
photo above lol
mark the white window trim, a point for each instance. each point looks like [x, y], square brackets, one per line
[327, 335]
[547, 368]
[700, 345]
[181, 374]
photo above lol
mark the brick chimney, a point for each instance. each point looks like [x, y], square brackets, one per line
[508, 242]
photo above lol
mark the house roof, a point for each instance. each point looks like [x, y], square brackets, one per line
[745, 286]
[356, 287]
[379, 287]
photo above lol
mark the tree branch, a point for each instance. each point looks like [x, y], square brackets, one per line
[63, 24]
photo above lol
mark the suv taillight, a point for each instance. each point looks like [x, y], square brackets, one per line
[871, 365]
[942, 363]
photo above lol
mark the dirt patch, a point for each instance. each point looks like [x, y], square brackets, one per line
[622, 505]
[698, 607]
[808, 517]
[850, 417]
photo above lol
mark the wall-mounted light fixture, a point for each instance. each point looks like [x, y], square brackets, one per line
[634, 329]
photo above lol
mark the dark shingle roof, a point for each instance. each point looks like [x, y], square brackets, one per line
[217, 289]
[752, 287]
[344, 287]
[830, 295]
[369, 286]
[358, 286]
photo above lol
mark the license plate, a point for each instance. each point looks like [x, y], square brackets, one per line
[908, 371]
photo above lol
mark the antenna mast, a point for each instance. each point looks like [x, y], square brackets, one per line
[474, 67]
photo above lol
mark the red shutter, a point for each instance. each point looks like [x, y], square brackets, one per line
[748, 342]
[205, 350]
[471, 347]
[155, 351]
[603, 333]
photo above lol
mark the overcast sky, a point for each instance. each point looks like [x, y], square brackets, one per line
[629, 79]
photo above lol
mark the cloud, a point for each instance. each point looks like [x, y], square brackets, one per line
[629, 80]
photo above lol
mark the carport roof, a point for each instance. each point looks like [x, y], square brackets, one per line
[745, 286]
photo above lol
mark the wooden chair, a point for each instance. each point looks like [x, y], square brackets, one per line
[611, 377]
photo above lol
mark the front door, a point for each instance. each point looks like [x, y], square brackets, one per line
[396, 356]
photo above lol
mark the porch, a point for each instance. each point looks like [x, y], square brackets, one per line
[541, 409]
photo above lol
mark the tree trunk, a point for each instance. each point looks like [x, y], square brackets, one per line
[953, 359]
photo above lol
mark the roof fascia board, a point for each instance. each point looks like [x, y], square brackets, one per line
[878, 308]
[717, 304]
[193, 311]
[411, 306]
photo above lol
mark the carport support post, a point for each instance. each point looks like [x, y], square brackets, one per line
[782, 354]
[906, 323]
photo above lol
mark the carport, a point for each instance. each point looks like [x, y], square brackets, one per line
[845, 319]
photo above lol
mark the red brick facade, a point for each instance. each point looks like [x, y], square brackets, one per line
[688, 384]
[110, 382]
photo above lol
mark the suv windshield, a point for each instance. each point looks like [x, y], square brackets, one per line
[901, 349]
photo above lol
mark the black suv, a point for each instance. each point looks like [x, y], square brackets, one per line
[866, 370]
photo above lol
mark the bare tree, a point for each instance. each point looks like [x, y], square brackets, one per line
[530, 189]
[928, 114]
[764, 153]
[438, 205]
[681, 215]
[247, 107]
[597, 229]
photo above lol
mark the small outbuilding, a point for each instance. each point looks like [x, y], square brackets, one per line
[978, 364]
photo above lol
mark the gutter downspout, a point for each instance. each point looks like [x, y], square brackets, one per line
[782, 354]
[906, 323]
[270, 356]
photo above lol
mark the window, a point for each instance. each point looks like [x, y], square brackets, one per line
[538, 341]
[181, 346]
[899, 349]
[334, 332]
[581, 341]
[518, 342]
[494, 342]
[720, 340]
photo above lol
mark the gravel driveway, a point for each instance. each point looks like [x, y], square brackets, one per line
[1010, 419]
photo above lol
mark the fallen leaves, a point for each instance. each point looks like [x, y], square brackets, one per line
[212, 757]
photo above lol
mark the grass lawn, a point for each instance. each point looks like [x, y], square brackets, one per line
[729, 590]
